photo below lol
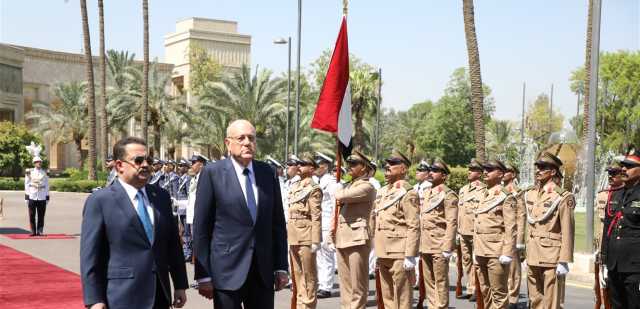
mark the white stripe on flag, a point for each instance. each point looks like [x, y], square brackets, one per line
[345, 129]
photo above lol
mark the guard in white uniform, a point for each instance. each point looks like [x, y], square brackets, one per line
[422, 173]
[326, 257]
[36, 191]
[376, 185]
[198, 162]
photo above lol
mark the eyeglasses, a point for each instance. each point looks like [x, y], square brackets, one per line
[543, 167]
[629, 165]
[138, 160]
[242, 138]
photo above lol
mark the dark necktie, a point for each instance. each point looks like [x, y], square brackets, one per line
[251, 199]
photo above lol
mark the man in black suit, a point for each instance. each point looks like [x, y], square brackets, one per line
[239, 232]
[130, 244]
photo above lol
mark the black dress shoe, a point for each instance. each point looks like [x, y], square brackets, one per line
[472, 298]
[32, 234]
[513, 306]
[323, 294]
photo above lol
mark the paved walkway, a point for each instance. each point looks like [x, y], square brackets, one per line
[64, 215]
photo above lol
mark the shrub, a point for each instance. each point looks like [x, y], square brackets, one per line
[68, 185]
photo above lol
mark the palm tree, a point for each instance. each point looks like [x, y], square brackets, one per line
[256, 98]
[477, 95]
[587, 68]
[65, 119]
[104, 119]
[91, 104]
[145, 71]
[175, 129]
[363, 98]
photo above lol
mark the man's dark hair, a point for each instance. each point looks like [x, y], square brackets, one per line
[119, 148]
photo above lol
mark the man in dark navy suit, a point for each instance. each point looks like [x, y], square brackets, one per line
[239, 231]
[130, 244]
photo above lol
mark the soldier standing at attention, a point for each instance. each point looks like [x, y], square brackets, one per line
[36, 194]
[396, 225]
[603, 199]
[550, 234]
[110, 166]
[182, 201]
[304, 232]
[438, 224]
[494, 238]
[156, 170]
[326, 255]
[468, 199]
[352, 239]
[620, 251]
[510, 183]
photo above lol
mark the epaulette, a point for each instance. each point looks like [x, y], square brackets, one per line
[407, 186]
[448, 191]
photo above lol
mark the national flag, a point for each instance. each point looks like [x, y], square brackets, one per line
[333, 112]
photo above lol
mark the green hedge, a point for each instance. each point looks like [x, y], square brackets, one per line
[55, 184]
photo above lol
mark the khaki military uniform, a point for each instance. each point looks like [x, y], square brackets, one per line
[550, 234]
[304, 229]
[495, 236]
[515, 268]
[468, 199]
[438, 225]
[353, 241]
[396, 235]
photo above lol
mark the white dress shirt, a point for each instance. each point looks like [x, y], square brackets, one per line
[242, 179]
[132, 192]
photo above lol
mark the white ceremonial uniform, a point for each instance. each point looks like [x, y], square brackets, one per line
[326, 257]
[372, 256]
[193, 187]
[36, 184]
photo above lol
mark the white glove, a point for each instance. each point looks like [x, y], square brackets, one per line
[604, 275]
[446, 254]
[562, 269]
[409, 263]
[475, 261]
[504, 260]
[314, 248]
[520, 246]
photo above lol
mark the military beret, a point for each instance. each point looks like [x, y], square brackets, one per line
[439, 165]
[397, 157]
[358, 157]
[548, 159]
[423, 166]
[512, 168]
[475, 164]
[494, 164]
[307, 159]
[632, 159]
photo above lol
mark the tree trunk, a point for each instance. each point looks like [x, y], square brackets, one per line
[145, 71]
[358, 132]
[157, 141]
[104, 121]
[477, 96]
[587, 80]
[81, 157]
[91, 103]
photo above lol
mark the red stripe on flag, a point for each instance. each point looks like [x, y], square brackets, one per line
[335, 83]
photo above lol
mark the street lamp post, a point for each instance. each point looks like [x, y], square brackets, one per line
[297, 123]
[286, 136]
[377, 150]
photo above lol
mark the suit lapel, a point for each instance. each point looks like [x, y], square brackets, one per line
[123, 201]
[235, 183]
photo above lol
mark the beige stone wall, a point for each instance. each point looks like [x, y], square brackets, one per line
[11, 60]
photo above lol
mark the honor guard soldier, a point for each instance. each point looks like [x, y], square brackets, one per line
[156, 170]
[467, 201]
[326, 255]
[36, 193]
[550, 234]
[376, 185]
[352, 239]
[292, 179]
[422, 176]
[510, 183]
[603, 199]
[396, 233]
[438, 225]
[304, 232]
[110, 165]
[198, 162]
[494, 238]
[620, 250]
[181, 202]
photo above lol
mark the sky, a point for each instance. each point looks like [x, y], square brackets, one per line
[417, 43]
